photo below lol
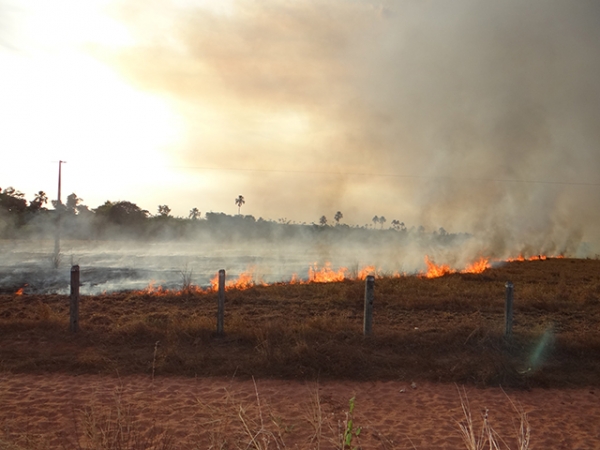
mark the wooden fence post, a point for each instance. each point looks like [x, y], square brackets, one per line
[221, 303]
[369, 295]
[508, 310]
[74, 305]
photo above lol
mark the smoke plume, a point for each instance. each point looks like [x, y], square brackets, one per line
[478, 117]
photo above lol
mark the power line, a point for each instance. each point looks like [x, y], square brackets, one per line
[388, 175]
[362, 174]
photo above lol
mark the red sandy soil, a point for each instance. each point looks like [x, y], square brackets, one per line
[49, 411]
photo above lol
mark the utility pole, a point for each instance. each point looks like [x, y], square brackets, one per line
[60, 163]
[56, 256]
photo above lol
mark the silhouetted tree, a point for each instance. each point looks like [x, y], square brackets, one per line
[12, 201]
[397, 225]
[338, 216]
[194, 214]
[375, 220]
[164, 210]
[323, 220]
[239, 202]
[13, 192]
[382, 220]
[39, 201]
[59, 206]
[122, 212]
[83, 209]
[72, 202]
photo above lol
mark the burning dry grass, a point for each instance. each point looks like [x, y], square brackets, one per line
[316, 274]
[444, 329]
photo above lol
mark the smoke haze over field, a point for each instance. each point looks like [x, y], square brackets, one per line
[474, 116]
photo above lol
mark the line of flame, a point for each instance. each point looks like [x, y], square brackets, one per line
[435, 271]
[326, 274]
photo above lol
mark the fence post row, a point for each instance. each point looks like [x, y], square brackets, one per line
[74, 304]
[508, 310]
[368, 313]
[221, 302]
[369, 295]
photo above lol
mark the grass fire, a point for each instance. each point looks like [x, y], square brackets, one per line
[448, 328]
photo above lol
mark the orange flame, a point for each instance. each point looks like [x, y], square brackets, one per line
[295, 279]
[245, 281]
[326, 274]
[435, 271]
[478, 266]
[366, 271]
[19, 292]
[154, 291]
[214, 282]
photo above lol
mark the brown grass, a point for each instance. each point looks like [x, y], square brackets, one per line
[446, 329]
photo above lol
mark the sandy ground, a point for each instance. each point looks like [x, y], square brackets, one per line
[64, 411]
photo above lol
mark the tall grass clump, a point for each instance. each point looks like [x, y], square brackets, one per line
[483, 436]
[240, 425]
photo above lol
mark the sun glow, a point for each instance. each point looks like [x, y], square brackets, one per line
[65, 23]
[60, 100]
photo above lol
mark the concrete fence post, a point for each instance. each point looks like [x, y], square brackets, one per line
[74, 304]
[221, 303]
[508, 310]
[369, 296]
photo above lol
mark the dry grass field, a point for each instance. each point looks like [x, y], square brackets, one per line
[447, 329]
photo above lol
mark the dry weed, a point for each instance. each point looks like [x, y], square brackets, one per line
[484, 436]
[236, 424]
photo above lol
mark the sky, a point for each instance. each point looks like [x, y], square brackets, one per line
[479, 117]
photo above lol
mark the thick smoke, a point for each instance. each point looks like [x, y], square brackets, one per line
[478, 117]
[475, 116]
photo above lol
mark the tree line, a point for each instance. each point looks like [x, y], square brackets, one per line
[124, 219]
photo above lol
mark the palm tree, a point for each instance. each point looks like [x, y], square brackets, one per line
[194, 214]
[239, 202]
[338, 216]
[39, 200]
[382, 220]
[375, 220]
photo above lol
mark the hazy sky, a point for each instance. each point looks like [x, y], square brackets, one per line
[469, 115]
